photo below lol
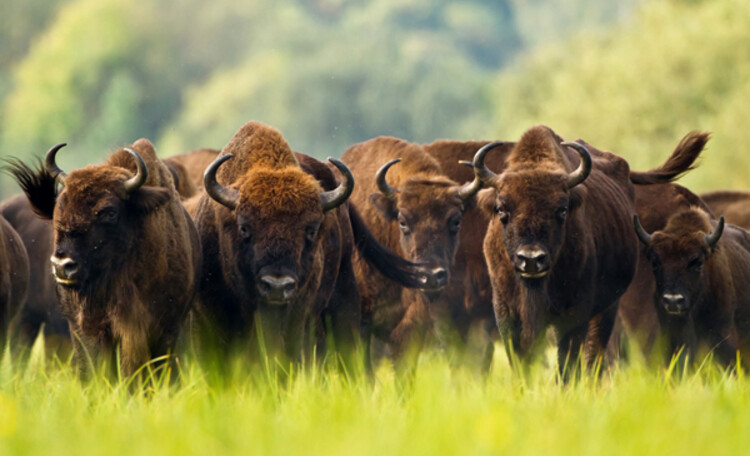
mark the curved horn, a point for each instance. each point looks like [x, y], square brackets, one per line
[468, 190]
[137, 181]
[580, 174]
[713, 238]
[52, 168]
[385, 188]
[480, 169]
[640, 231]
[334, 198]
[225, 196]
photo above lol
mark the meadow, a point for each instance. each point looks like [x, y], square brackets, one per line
[629, 409]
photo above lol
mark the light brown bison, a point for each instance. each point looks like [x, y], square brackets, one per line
[126, 255]
[14, 277]
[415, 210]
[559, 246]
[702, 295]
[734, 205]
[191, 165]
[278, 237]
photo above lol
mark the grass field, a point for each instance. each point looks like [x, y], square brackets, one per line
[45, 409]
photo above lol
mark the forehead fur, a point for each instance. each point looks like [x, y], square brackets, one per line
[279, 191]
[689, 222]
[255, 145]
[538, 148]
[532, 185]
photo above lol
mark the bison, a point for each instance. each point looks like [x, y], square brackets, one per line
[278, 241]
[702, 295]
[559, 245]
[14, 277]
[733, 204]
[191, 165]
[417, 211]
[126, 255]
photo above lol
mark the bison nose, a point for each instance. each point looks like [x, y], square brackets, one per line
[65, 270]
[674, 303]
[440, 275]
[531, 262]
[277, 288]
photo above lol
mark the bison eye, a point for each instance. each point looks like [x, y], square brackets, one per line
[502, 213]
[310, 233]
[107, 215]
[562, 213]
[403, 225]
[244, 232]
[454, 224]
[695, 264]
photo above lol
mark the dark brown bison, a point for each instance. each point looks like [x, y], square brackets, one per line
[278, 237]
[702, 293]
[182, 182]
[14, 277]
[734, 205]
[559, 246]
[40, 309]
[415, 210]
[126, 255]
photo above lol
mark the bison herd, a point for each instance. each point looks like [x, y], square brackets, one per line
[259, 250]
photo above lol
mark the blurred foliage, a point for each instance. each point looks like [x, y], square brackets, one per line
[679, 66]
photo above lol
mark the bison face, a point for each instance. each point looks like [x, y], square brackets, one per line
[98, 222]
[678, 256]
[529, 213]
[428, 211]
[279, 226]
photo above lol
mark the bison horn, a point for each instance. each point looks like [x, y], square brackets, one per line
[480, 169]
[225, 196]
[52, 167]
[640, 231]
[141, 174]
[385, 188]
[580, 174]
[338, 196]
[713, 238]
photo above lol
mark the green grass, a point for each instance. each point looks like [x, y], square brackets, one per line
[45, 409]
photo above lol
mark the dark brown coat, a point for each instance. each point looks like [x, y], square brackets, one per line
[702, 295]
[14, 277]
[559, 246]
[734, 205]
[190, 167]
[126, 254]
[278, 236]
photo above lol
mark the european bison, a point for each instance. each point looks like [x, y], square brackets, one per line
[126, 255]
[191, 166]
[277, 246]
[14, 277]
[416, 211]
[734, 205]
[559, 246]
[702, 293]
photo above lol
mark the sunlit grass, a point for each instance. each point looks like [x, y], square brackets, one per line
[45, 409]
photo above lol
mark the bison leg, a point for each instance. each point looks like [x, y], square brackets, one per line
[569, 351]
[598, 335]
[346, 319]
[407, 338]
[134, 350]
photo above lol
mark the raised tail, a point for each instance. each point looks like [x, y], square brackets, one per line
[682, 160]
[392, 266]
[38, 185]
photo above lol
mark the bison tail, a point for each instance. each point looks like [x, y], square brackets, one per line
[386, 262]
[38, 185]
[682, 160]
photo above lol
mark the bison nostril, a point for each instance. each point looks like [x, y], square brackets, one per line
[64, 268]
[440, 275]
[277, 288]
[674, 302]
[531, 260]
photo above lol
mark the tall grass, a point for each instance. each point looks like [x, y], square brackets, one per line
[45, 409]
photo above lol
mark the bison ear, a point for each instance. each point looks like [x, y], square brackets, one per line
[385, 206]
[147, 199]
[577, 195]
[486, 201]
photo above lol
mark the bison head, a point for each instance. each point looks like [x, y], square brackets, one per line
[428, 210]
[678, 255]
[97, 219]
[275, 229]
[531, 201]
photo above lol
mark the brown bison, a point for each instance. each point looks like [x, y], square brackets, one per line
[733, 204]
[702, 293]
[14, 277]
[415, 210]
[126, 255]
[191, 165]
[559, 246]
[278, 237]
[40, 309]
